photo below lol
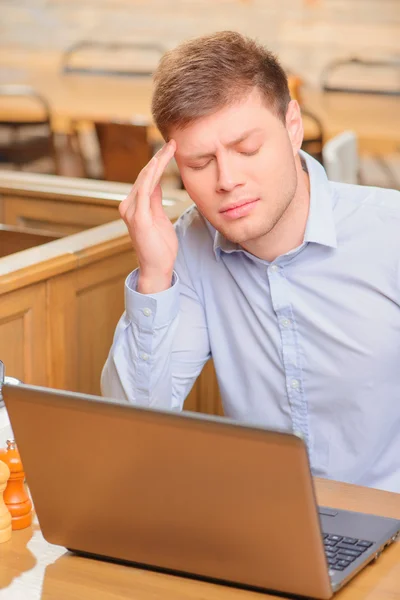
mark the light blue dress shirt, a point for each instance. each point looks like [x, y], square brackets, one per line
[310, 342]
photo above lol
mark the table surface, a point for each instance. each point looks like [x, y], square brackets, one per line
[72, 97]
[31, 568]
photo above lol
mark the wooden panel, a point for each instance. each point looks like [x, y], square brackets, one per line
[99, 309]
[204, 396]
[124, 148]
[63, 218]
[23, 333]
[192, 400]
[84, 309]
[12, 343]
[208, 394]
[13, 240]
[62, 338]
[100, 304]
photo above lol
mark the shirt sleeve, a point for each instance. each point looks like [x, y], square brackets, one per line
[160, 344]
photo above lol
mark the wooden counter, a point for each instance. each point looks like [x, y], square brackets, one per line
[66, 205]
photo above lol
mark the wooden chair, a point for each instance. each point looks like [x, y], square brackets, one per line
[124, 149]
[111, 59]
[26, 140]
[361, 76]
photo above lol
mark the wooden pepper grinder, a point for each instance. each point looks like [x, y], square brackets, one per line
[15, 495]
[5, 517]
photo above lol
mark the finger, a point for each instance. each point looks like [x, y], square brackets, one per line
[163, 158]
[147, 171]
[156, 194]
[153, 172]
[145, 187]
[141, 190]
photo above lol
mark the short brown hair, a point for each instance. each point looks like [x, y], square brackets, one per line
[207, 73]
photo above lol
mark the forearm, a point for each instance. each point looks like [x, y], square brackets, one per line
[142, 348]
[138, 369]
[160, 346]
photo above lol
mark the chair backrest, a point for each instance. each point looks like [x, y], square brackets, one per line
[37, 115]
[132, 59]
[362, 76]
[26, 134]
[340, 156]
[124, 150]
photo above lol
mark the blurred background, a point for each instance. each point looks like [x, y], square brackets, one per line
[75, 79]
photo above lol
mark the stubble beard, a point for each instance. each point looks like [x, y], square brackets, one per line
[242, 233]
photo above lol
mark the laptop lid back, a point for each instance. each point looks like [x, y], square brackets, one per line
[181, 492]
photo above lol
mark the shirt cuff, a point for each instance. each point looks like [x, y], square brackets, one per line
[151, 311]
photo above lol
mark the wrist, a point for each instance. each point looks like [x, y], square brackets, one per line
[154, 283]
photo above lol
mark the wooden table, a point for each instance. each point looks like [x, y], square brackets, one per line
[30, 568]
[375, 119]
[84, 98]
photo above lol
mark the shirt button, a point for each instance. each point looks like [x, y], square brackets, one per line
[286, 322]
[144, 356]
[274, 268]
[147, 312]
[295, 384]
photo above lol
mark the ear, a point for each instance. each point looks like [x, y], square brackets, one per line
[294, 125]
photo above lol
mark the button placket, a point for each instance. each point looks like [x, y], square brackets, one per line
[280, 295]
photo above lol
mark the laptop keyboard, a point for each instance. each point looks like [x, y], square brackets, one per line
[342, 551]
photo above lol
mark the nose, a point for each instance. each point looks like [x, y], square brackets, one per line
[228, 177]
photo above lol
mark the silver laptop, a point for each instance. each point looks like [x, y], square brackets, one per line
[185, 493]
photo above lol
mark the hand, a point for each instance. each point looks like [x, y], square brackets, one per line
[152, 233]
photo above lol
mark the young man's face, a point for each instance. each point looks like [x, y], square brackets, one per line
[238, 166]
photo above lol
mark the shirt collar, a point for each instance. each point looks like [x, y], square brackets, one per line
[320, 227]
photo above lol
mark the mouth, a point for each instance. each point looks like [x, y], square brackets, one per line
[240, 209]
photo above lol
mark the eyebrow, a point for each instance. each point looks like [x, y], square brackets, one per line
[238, 140]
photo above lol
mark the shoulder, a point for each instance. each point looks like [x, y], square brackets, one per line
[367, 220]
[367, 211]
[378, 201]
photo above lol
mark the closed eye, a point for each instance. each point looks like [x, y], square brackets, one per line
[250, 153]
[199, 167]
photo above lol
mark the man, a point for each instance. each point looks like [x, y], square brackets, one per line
[290, 282]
